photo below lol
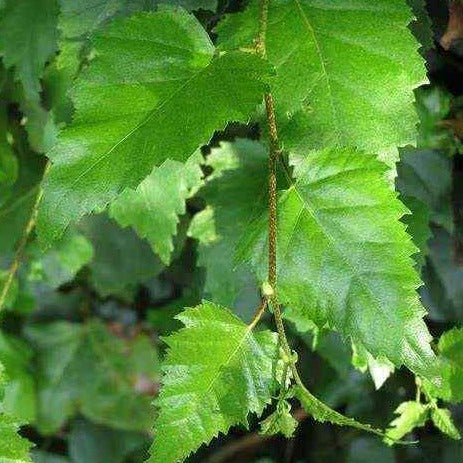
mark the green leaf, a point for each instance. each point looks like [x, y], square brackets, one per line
[442, 419]
[411, 415]
[235, 192]
[417, 222]
[216, 372]
[85, 368]
[13, 448]
[28, 40]
[121, 260]
[426, 176]
[364, 99]
[8, 161]
[19, 395]
[81, 18]
[153, 208]
[344, 257]
[61, 263]
[451, 352]
[433, 106]
[15, 211]
[152, 74]
[40, 125]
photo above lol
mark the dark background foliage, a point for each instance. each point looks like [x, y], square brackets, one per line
[107, 320]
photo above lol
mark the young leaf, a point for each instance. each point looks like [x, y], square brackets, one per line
[442, 419]
[411, 415]
[235, 192]
[216, 372]
[364, 99]
[152, 74]
[153, 208]
[280, 421]
[344, 257]
[28, 40]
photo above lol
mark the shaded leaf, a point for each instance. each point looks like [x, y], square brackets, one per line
[87, 369]
[121, 260]
[234, 193]
[426, 176]
[19, 394]
[28, 40]
[61, 263]
[443, 275]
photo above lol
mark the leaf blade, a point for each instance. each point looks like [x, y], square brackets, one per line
[153, 73]
[215, 373]
[344, 257]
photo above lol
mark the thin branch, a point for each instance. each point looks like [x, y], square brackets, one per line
[14, 266]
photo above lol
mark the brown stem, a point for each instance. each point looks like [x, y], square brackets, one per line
[274, 155]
